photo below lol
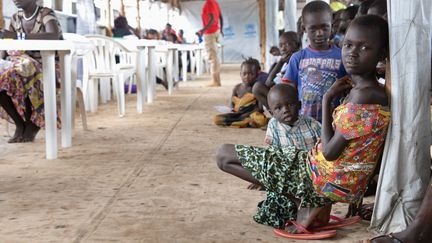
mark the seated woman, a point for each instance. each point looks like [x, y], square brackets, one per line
[302, 185]
[21, 92]
[244, 105]
[122, 28]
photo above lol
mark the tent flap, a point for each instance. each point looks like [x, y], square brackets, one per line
[405, 172]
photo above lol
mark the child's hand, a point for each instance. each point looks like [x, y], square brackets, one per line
[341, 85]
[285, 58]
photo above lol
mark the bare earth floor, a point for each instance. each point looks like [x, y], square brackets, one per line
[147, 177]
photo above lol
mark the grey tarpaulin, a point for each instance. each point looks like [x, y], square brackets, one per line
[405, 170]
[241, 26]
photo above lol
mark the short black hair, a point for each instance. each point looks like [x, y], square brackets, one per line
[374, 23]
[364, 7]
[120, 22]
[292, 36]
[253, 62]
[351, 11]
[316, 7]
[273, 49]
[380, 6]
[284, 88]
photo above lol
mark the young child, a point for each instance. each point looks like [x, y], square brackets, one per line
[346, 16]
[302, 186]
[289, 43]
[286, 127]
[274, 56]
[314, 69]
[244, 105]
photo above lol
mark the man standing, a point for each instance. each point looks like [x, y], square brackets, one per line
[211, 17]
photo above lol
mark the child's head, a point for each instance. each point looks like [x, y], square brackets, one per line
[336, 21]
[365, 43]
[274, 50]
[249, 70]
[317, 20]
[289, 42]
[346, 17]
[284, 104]
[379, 7]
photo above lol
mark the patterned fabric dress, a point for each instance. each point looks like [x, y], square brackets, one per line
[286, 170]
[244, 114]
[24, 78]
[345, 179]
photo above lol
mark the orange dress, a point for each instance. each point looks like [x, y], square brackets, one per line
[364, 126]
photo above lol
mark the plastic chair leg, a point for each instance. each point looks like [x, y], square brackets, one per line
[80, 100]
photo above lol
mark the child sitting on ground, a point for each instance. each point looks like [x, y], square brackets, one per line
[261, 76]
[314, 69]
[302, 186]
[287, 127]
[244, 105]
[288, 43]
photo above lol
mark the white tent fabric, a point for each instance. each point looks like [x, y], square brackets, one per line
[86, 18]
[405, 170]
[272, 34]
[290, 17]
[241, 26]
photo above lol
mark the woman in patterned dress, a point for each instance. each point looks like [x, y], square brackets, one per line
[302, 185]
[21, 92]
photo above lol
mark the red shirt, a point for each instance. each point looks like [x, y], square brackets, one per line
[211, 7]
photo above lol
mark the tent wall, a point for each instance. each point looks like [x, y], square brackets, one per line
[272, 33]
[8, 10]
[290, 17]
[405, 171]
[241, 27]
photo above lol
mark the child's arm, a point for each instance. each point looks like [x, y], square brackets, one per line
[333, 143]
[276, 69]
[235, 93]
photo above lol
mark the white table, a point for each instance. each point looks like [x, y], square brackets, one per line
[146, 69]
[48, 49]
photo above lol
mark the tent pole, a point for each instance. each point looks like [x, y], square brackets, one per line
[109, 18]
[1, 16]
[139, 17]
[263, 41]
[122, 8]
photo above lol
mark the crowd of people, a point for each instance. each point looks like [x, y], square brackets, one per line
[329, 117]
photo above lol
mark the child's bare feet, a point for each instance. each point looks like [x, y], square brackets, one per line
[309, 217]
[30, 132]
[18, 135]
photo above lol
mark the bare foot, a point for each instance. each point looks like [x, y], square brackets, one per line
[18, 135]
[30, 132]
[311, 217]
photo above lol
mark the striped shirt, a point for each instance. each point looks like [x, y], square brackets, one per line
[303, 134]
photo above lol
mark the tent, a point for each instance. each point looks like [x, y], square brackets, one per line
[405, 171]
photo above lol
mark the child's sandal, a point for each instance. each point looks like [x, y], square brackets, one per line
[305, 233]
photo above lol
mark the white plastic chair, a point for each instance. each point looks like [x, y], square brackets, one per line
[83, 48]
[103, 68]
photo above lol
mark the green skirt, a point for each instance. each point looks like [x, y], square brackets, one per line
[282, 171]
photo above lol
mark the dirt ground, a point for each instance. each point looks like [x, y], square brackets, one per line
[147, 177]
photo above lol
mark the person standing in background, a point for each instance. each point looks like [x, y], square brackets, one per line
[213, 26]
